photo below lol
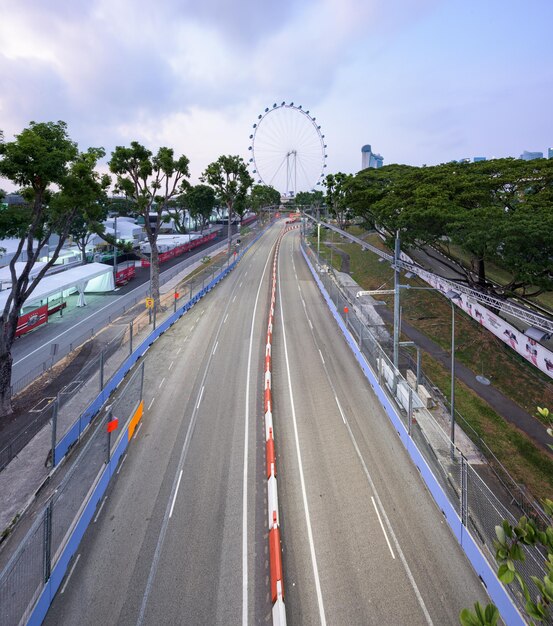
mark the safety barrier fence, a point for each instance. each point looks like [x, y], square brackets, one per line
[275, 548]
[35, 571]
[469, 504]
[20, 382]
[79, 396]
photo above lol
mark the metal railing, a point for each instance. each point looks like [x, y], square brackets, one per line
[479, 504]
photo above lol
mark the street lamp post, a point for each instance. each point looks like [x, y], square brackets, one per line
[451, 295]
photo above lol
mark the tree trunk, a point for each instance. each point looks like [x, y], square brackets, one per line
[6, 361]
[5, 381]
[229, 236]
[154, 272]
[481, 272]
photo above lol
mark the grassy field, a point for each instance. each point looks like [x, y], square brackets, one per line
[478, 349]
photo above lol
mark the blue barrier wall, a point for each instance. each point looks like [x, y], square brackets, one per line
[58, 572]
[75, 431]
[497, 592]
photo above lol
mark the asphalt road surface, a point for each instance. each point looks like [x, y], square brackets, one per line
[181, 537]
[363, 541]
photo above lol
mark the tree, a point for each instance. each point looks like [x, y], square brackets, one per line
[84, 193]
[336, 197]
[150, 181]
[200, 201]
[264, 196]
[38, 157]
[231, 180]
[310, 199]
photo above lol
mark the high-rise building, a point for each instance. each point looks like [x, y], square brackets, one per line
[550, 153]
[529, 156]
[370, 158]
[477, 159]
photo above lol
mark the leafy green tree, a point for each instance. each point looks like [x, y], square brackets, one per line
[264, 196]
[231, 181]
[84, 194]
[310, 199]
[200, 201]
[40, 156]
[151, 181]
[337, 198]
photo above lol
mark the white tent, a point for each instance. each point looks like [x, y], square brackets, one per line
[94, 277]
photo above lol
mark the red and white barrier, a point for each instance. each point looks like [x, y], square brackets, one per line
[273, 519]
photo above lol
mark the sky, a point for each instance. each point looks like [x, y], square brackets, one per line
[422, 81]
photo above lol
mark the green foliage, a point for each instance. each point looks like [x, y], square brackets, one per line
[230, 179]
[263, 196]
[337, 198]
[200, 201]
[313, 199]
[499, 211]
[480, 617]
[509, 550]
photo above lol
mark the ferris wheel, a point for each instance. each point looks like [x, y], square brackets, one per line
[287, 149]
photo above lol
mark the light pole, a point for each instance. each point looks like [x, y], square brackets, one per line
[451, 295]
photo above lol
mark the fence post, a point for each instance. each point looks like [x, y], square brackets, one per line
[54, 429]
[101, 370]
[464, 490]
[130, 337]
[410, 411]
[155, 311]
[175, 301]
[47, 543]
[110, 417]
[418, 367]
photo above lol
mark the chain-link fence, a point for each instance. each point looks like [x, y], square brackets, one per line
[480, 506]
[30, 567]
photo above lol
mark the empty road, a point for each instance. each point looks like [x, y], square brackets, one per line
[181, 536]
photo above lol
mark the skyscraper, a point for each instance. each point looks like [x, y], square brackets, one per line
[370, 158]
[550, 153]
[529, 156]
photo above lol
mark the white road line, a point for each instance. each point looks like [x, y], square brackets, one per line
[100, 509]
[302, 478]
[240, 285]
[121, 464]
[226, 316]
[151, 402]
[165, 523]
[234, 298]
[215, 348]
[137, 429]
[339, 407]
[322, 358]
[171, 364]
[175, 496]
[246, 273]
[161, 383]
[383, 529]
[245, 475]
[200, 398]
[310, 324]
[178, 351]
[70, 572]
[379, 501]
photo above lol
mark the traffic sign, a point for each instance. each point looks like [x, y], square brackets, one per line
[149, 303]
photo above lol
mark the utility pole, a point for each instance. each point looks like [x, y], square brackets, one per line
[396, 300]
